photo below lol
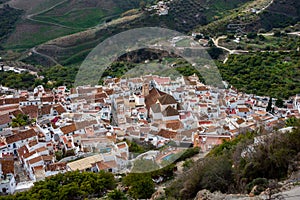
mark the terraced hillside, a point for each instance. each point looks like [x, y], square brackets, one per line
[184, 16]
[48, 19]
[88, 13]
[257, 15]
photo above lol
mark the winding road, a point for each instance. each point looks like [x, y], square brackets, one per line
[33, 50]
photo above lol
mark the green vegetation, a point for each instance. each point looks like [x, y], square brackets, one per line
[140, 186]
[87, 14]
[292, 121]
[19, 81]
[21, 120]
[31, 34]
[59, 75]
[238, 165]
[70, 185]
[64, 19]
[281, 13]
[264, 73]
[116, 195]
[278, 41]
[78, 18]
[184, 16]
[190, 152]
[8, 18]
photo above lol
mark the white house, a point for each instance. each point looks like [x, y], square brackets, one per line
[7, 184]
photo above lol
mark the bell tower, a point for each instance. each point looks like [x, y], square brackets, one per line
[145, 90]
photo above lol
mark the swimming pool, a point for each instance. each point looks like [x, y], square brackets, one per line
[168, 157]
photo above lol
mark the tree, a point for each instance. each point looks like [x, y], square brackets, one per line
[215, 52]
[279, 103]
[141, 186]
[21, 120]
[292, 121]
[269, 107]
[252, 35]
[116, 195]
[70, 185]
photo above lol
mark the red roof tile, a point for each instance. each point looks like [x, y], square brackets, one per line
[22, 135]
[68, 129]
[167, 134]
[31, 111]
[59, 108]
[7, 165]
[4, 119]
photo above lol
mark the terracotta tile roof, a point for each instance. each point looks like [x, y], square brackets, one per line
[38, 168]
[11, 101]
[15, 113]
[8, 108]
[22, 151]
[22, 135]
[27, 155]
[109, 91]
[41, 149]
[240, 121]
[45, 109]
[201, 88]
[7, 164]
[47, 157]
[244, 110]
[69, 128]
[167, 99]
[4, 119]
[86, 123]
[121, 146]
[170, 111]
[31, 111]
[31, 143]
[35, 160]
[174, 124]
[106, 165]
[59, 108]
[101, 95]
[152, 97]
[167, 134]
[57, 166]
[162, 80]
[47, 99]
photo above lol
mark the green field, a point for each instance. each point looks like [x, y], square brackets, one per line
[71, 16]
[84, 18]
[30, 34]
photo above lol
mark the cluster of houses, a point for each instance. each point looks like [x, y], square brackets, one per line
[161, 8]
[85, 128]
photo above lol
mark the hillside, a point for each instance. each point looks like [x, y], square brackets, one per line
[264, 73]
[258, 15]
[45, 20]
[184, 16]
[240, 165]
[8, 19]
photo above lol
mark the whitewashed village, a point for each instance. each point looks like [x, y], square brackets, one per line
[87, 128]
